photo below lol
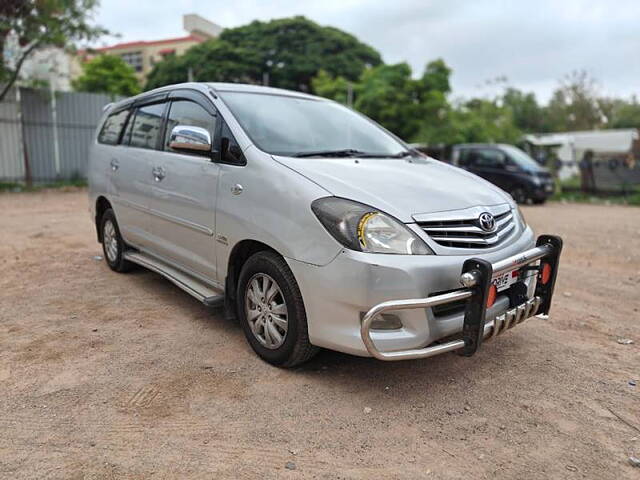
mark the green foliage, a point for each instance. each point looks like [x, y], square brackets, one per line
[575, 105]
[528, 116]
[480, 120]
[419, 110]
[435, 125]
[621, 113]
[298, 54]
[42, 22]
[18, 187]
[389, 95]
[107, 74]
[327, 86]
[291, 51]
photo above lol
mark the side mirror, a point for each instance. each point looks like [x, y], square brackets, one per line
[190, 138]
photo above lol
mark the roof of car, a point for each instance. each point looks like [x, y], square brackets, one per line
[247, 88]
[216, 87]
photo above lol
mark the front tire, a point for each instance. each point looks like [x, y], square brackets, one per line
[271, 311]
[113, 245]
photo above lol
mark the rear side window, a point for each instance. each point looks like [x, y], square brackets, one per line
[110, 132]
[187, 113]
[146, 126]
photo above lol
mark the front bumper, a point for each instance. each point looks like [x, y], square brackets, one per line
[476, 277]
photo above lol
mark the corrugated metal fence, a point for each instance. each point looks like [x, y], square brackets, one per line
[47, 136]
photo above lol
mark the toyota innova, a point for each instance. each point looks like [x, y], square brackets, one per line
[312, 224]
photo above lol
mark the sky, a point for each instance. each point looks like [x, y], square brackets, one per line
[534, 43]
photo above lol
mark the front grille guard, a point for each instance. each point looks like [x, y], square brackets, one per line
[476, 278]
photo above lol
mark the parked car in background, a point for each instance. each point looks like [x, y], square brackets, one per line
[508, 167]
[314, 225]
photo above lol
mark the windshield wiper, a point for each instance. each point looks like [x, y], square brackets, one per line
[345, 152]
[404, 153]
[351, 152]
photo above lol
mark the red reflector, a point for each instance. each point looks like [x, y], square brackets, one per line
[491, 298]
[514, 274]
[545, 274]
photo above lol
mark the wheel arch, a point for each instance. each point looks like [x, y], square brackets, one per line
[102, 205]
[237, 258]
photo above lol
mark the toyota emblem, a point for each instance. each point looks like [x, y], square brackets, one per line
[487, 222]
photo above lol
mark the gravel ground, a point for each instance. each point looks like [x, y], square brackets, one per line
[125, 376]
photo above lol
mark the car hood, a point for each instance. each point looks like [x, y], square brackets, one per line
[399, 187]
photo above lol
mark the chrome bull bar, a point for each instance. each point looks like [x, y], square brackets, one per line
[476, 278]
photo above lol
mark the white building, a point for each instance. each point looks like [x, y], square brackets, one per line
[570, 147]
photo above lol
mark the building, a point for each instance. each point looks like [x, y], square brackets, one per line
[57, 67]
[613, 149]
[143, 55]
[49, 66]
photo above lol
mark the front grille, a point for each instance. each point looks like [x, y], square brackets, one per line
[466, 232]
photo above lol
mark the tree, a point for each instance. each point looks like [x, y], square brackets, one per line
[327, 86]
[575, 104]
[413, 109]
[389, 95]
[36, 23]
[107, 74]
[528, 116]
[433, 89]
[288, 52]
[621, 113]
[482, 120]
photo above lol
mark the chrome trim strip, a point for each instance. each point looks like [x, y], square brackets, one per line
[126, 203]
[468, 228]
[488, 240]
[184, 223]
[471, 213]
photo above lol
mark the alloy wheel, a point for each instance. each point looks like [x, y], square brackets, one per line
[110, 239]
[266, 311]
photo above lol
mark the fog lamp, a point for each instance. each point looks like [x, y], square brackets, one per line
[386, 321]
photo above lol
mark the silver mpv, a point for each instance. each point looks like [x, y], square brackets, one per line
[312, 224]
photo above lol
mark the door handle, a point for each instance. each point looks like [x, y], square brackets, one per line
[158, 173]
[114, 164]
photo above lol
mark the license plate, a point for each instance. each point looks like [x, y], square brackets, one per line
[504, 280]
[549, 188]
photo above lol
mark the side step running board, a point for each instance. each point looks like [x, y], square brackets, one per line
[193, 286]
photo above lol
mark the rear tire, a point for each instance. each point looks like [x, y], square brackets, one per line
[271, 311]
[113, 245]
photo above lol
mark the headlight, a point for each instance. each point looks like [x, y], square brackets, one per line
[365, 229]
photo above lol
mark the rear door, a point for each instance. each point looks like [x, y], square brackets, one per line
[131, 172]
[184, 198]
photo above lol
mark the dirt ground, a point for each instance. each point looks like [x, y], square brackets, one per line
[125, 376]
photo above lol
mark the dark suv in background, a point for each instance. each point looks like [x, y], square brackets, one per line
[507, 167]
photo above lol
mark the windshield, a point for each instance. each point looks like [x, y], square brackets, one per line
[290, 126]
[520, 158]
